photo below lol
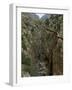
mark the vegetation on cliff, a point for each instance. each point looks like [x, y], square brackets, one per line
[41, 44]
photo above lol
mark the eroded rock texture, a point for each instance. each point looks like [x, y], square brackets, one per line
[42, 45]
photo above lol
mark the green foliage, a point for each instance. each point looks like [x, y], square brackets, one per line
[27, 61]
[42, 48]
[55, 23]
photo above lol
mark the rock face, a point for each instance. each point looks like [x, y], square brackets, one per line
[42, 48]
[58, 58]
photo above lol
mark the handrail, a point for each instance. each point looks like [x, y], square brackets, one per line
[54, 32]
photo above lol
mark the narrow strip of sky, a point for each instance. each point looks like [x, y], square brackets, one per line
[40, 15]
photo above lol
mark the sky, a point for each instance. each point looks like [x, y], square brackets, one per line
[40, 15]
